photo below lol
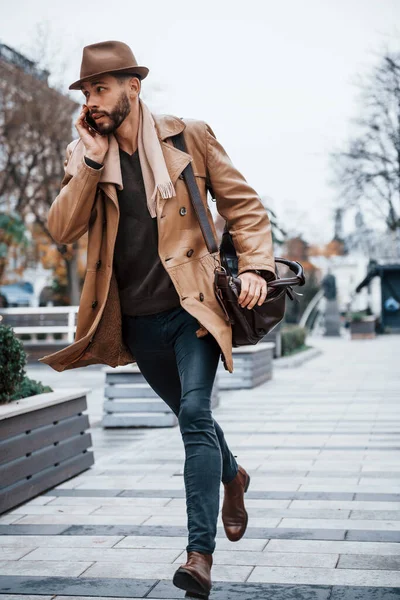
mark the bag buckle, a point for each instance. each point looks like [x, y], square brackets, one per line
[217, 263]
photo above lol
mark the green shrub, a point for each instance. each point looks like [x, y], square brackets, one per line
[14, 384]
[30, 387]
[12, 362]
[358, 316]
[293, 338]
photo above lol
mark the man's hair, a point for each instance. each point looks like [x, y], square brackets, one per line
[121, 77]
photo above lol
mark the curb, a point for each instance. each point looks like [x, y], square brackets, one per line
[288, 362]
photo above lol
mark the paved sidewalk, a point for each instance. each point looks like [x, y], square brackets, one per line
[322, 445]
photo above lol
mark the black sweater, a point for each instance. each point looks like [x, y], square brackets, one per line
[144, 285]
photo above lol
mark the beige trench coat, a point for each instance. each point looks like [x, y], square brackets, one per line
[88, 202]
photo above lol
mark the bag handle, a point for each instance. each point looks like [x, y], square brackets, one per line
[188, 176]
[296, 267]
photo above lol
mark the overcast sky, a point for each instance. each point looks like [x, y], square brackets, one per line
[273, 78]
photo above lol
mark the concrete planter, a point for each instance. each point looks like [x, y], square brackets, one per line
[364, 329]
[44, 441]
[296, 360]
[252, 367]
[131, 402]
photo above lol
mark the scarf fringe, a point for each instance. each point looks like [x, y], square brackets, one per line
[154, 170]
[166, 190]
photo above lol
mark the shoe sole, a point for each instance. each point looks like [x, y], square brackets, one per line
[246, 487]
[186, 581]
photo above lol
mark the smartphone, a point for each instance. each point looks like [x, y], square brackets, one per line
[92, 124]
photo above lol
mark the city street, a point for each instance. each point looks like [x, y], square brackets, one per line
[322, 445]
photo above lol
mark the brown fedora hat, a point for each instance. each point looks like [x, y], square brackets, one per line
[108, 58]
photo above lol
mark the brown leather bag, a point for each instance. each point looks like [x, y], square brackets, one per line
[248, 326]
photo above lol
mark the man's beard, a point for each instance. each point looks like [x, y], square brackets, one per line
[116, 116]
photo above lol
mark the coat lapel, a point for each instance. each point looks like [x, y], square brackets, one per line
[176, 160]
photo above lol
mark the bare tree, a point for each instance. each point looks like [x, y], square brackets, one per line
[35, 128]
[367, 172]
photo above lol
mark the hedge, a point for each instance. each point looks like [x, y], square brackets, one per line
[14, 384]
[293, 338]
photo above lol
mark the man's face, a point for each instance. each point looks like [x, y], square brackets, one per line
[108, 102]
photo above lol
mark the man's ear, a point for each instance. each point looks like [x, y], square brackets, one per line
[135, 85]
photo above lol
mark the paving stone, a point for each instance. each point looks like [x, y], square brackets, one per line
[162, 571]
[251, 532]
[19, 597]
[122, 530]
[71, 586]
[66, 519]
[353, 577]
[117, 501]
[373, 536]
[86, 597]
[251, 503]
[10, 518]
[126, 555]
[182, 520]
[247, 591]
[343, 523]
[278, 494]
[280, 559]
[62, 492]
[377, 497]
[54, 510]
[40, 500]
[59, 541]
[32, 529]
[336, 547]
[13, 553]
[358, 561]
[387, 515]
[51, 568]
[360, 506]
[181, 543]
[364, 593]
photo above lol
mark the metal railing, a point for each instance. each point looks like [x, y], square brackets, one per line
[311, 312]
[48, 320]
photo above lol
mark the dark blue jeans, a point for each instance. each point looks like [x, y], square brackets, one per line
[180, 367]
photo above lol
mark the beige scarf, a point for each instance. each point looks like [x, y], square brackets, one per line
[154, 170]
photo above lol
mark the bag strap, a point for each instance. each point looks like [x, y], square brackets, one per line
[188, 176]
[195, 198]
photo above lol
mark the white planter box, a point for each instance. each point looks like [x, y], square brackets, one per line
[131, 402]
[252, 367]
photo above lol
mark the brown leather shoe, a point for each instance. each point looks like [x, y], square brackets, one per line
[234, 515]
[195, 575]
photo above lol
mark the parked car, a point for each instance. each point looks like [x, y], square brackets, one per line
[18, 294]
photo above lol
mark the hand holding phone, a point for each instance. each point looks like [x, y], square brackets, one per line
[91, 123]
[96, 144]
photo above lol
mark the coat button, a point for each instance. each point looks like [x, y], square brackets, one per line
[201, 297]
[98, 264]
[189, 253]
[182, 211]
[180, 176]
[94, 304]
